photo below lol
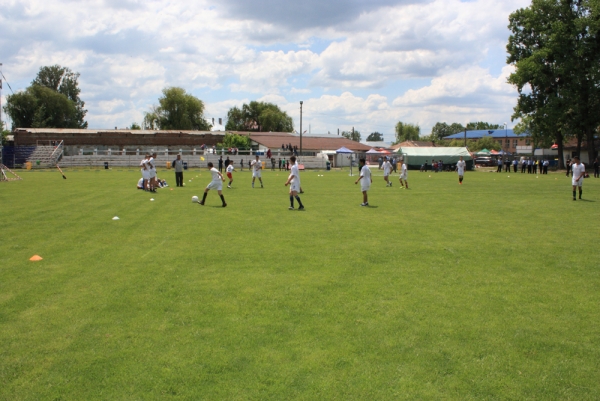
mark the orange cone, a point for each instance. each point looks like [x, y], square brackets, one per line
[35, 258]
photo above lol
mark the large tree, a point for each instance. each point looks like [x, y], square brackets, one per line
[177, 110]
[259, 117]
[441, 130]
[352, 135]
[375, 137]
[52, 101]
[407, 132]
[481, 125]
[555, 48]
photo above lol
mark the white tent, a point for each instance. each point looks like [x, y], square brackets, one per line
[417, 156]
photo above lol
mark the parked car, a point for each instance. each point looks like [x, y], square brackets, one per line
[484, 161]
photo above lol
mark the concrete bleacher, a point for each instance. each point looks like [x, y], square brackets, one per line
[45, 156]
[193, 161]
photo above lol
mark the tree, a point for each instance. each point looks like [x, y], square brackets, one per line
[487, 142]
[235, 141]
[352, 135]
[259, 117]
[407, 132]
[442, 130]
[555, 48]
[52, 101]
[177, 110]
[375, 137]
[135, 127]
[480, 125]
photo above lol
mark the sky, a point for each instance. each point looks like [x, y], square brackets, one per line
[365, 64]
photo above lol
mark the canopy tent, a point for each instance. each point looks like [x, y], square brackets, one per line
[415, 157]
[372, 151]
[343, 157]
[503, 153]
[483, 152]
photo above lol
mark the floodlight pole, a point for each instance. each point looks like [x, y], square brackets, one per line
[505, 137]
[301, 127]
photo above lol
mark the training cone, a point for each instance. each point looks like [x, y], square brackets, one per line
[116, 218]
[35, 258]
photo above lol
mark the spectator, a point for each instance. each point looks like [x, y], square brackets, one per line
[178, 166]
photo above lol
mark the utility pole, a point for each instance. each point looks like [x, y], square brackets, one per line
[301, 127]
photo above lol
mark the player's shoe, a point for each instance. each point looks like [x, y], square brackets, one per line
[365, 204]
[391, 183]
[229, 186]
[201, 203]
[301, 208]
[224, 204]
[574, 199]
[291, 208]
[261, 185]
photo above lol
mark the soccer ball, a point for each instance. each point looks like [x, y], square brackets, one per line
[195, 199]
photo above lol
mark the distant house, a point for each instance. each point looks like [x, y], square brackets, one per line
[412, 144]
[506, 138]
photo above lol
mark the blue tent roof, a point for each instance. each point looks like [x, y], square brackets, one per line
[494, 133]
[343, 149]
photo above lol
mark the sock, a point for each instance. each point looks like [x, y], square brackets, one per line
[291, 201]
[574, 194]
[222, 199]
[204, 197]
[230, 183]
[580, 191]
[460, 179]
[252, 184]
[299, 201]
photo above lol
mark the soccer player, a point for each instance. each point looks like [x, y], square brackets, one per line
[460, 169]
[230, 169]
[387, 169]
[256, 171]
[403, 175]
[152, 172]
[578, 171]
[294, 182]
[145, 172]
[365, 180]
[216, 183]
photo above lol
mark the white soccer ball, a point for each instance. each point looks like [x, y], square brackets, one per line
[195, 199]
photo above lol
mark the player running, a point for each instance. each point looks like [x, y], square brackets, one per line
[403, 175]
[294, 182]
[256, 171]
[230, 169]
[365, 180]
[216, 183]
[387, 169]
[578, 170]
[460, 169]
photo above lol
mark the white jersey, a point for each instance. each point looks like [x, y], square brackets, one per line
[150, 163]
[460, 167]
[403, 171]
[387, 168]
[365, 182]
[230, 168]
[294, 171]
[257, 165]
[215, 174]
[578, 170]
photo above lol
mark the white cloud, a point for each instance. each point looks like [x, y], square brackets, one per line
[350, 57]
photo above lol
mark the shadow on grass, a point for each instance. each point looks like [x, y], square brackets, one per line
[586, 200]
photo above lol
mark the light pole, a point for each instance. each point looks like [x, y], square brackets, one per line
[301, 127]
[505, 138]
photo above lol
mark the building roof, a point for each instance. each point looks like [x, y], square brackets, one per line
[76, 131]
[494, 133]
[274, 140]
[412, 144]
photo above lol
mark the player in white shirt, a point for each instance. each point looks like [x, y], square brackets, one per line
[230, 169]
[145, 172]
[294, 182]
[365, 181]
[578, 169]
[152, 172]
[387, 169]
[216, 183]
[461, 165]
[403, 175]
[256, 171]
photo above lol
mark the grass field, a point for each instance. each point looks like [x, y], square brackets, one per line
[489, 290]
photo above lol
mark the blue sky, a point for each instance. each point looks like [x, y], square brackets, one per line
[365, 64]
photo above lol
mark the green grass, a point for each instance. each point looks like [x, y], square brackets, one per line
[489, 290]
